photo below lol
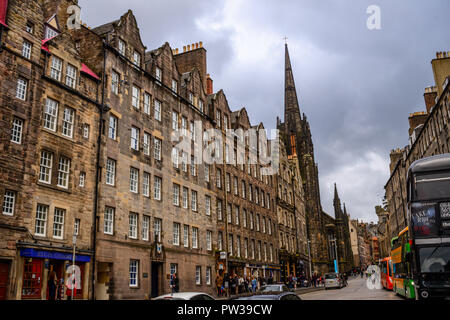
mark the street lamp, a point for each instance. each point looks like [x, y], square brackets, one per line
[74, 239]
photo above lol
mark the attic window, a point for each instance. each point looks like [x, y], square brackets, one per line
[122, 47]
[50, 32]
[137, 59]
[29, 28]
[158, 74]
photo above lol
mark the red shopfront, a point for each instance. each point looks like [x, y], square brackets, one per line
[37, 270]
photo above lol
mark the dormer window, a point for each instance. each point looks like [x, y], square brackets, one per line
[50, 32]
[122, 47]
[137, 59]
[200, 106]
[158, 74]
[29, 28]
[191, 97]
[174, 86]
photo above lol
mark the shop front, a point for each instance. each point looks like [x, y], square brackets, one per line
[48, 275]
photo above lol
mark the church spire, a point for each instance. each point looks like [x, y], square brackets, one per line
[337, 203]
[291, 106]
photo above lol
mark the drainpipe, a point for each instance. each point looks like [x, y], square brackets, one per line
[103, 109]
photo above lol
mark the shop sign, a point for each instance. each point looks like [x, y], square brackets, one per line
[42, 254]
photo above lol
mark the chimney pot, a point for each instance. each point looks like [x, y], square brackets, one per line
[201, 44]
[184, 48]
[188, 47]
[196, 45]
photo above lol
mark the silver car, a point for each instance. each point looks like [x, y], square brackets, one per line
[332, 280]
[185, 296]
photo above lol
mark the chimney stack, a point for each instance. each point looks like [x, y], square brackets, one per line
[430, 97]
[194, 56]
[209, 85]
[441, 70]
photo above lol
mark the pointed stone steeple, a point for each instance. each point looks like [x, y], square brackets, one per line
[292, 115]
[337, 203]
[345, 210]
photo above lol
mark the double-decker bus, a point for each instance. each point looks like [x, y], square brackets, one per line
[402, 281]
[426, 243]
[386, 270]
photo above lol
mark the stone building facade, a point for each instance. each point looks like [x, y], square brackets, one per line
[49, 114]
[89, 128]
[429, 135]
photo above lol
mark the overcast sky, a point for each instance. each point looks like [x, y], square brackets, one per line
[356, 86]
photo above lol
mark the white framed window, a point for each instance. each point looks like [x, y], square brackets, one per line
[270, 227]
[230, 244]
[186, 236]
[29, 28]
[257, 223]
[251, 221]
[157, 228]
[194, 200]
[227, 182]
[115, 80]
[176, 195]
[26, 49]
[134, 271]
[208, 240]
[218, 121]
[174, 120]
[271, 253]
[235, 186]
[184, 122]
[219, 178]
[45, 172]
[137, 58]
[67, 129]
[174, 86]
[112, 132]
[76, 227]
[136, 97]
[193, 167]
[229, 213]
[158, 74]
[236, 210]
[208, 205]
[56, 68]
[246, 248]
[86, 130]
[147, 101]
[157, 188]
[219, 210]
[50, 32]
[133, 225]
[173, 268]
[58, 223]
[207, 170]
[50, 114]
[146, 144]
[201, 107]
[220, 241]
[176, 234]
[243, 189]
[108, 221]
[146, 184]
[134, 180]
[82, 179]
[185, 198]
[244, 218]
[41, 220]
[9, 202]
[145, 227]
[264, 224]
[157, 148]
[16, 131]
[195, 238]
[184, 161]
[175, 158]
[71, 76]
[198, 275]
[157, 110]
[135, 138]
[21, 89]
[63, 172]
[208, 275]
[122, 47]
[110, 172]
[238, 246]
[253, 249]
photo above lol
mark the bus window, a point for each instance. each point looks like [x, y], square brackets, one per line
[432, 186]
[391, 269]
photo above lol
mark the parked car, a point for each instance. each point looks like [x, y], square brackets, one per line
[333, 280]
[199, 296]
[277, 287]
[272, 296]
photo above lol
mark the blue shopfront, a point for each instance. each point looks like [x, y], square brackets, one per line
[45, 274]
